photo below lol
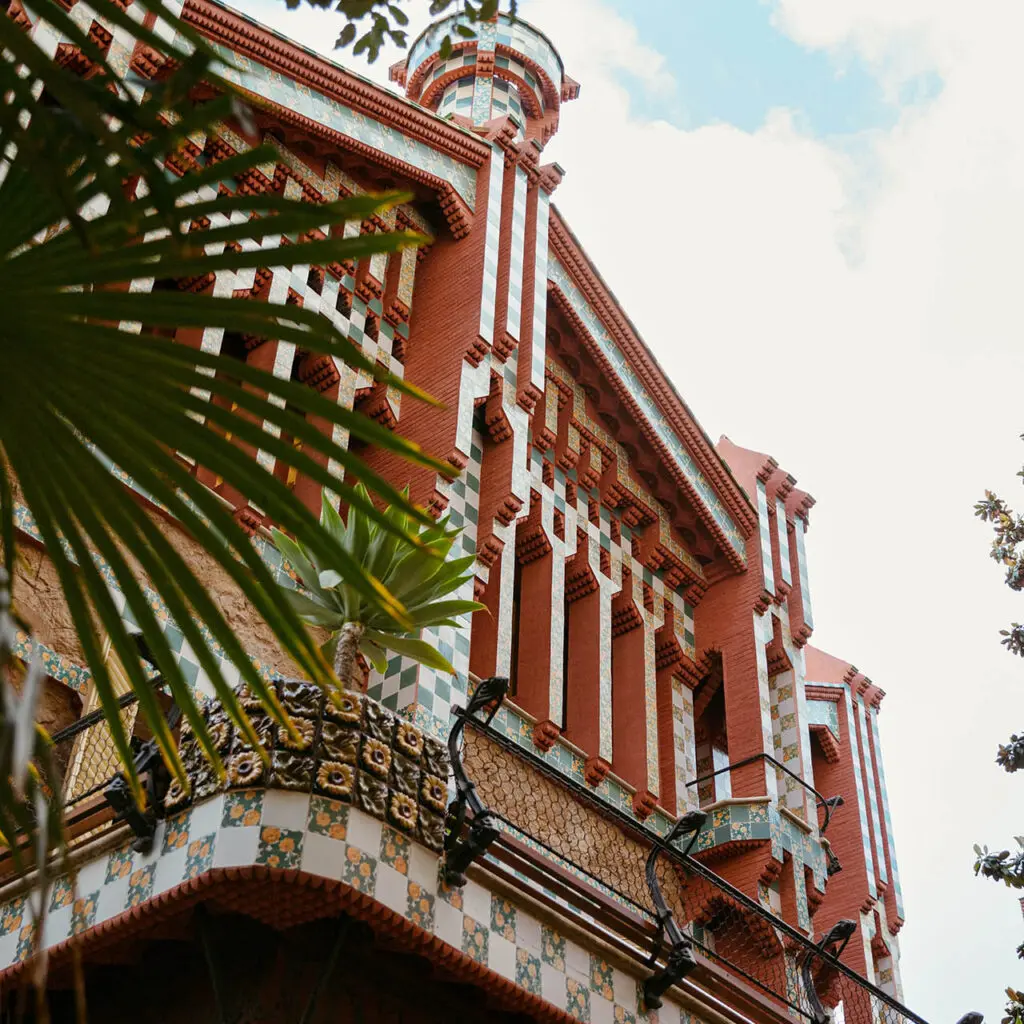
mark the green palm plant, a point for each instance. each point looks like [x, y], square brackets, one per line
[420, 577]
[87, 396]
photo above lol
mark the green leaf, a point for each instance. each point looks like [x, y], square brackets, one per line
[411, 647]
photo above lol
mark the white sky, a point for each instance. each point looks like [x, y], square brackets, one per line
[855, 312]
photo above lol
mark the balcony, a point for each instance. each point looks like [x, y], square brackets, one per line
[648, 895]
[288, 842]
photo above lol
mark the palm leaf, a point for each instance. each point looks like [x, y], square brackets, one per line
[79, 395]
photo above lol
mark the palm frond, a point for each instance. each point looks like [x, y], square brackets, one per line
[88, 396]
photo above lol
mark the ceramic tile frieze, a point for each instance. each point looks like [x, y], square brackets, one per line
[353, 750]
[324, 837]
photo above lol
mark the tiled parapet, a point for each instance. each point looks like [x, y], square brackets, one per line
[349, 749]
[348, 860]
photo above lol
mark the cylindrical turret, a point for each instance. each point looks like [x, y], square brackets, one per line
[507, 69]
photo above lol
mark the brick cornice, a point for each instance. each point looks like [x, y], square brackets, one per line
[588, 280]
[260, 44]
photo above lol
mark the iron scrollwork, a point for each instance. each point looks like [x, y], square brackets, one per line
[680, 959]
[151, 770]
[460, 851]
[832, 945]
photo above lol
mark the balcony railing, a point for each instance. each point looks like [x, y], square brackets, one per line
[648, 896]
[827, 805]
[94, 790]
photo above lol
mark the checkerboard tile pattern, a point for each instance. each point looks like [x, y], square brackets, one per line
[862, 809]
[785, 568]
[898, 891]
[515, 270]
[491, 244]
[325, 838]
[869, 781]
[805, 585]
[540, 293]
[786, 741]
[765, 526]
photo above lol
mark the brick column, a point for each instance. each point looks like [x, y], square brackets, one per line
[631, 723]
[589, 668]
[539, 663]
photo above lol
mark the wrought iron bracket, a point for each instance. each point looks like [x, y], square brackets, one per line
[679, 960]
[832, 945]
[461, 850]
[150, 768]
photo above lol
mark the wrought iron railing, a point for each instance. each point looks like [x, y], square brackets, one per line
[95, 790]
[827, 805]
[689, 924]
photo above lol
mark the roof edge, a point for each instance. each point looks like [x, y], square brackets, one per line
[669, 400]
[223, 24]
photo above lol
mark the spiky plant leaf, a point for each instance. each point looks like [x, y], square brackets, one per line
[419, 577]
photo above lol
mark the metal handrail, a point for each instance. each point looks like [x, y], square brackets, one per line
[806, 949]
[828, 804]
[460, 851]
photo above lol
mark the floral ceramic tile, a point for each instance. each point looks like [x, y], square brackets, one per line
[199, 858]
[420, 906]
[552, 948]
[11, 918]
[643, 1015]
[503, 918]
[119, 865]
[360, 870]
[26, 942]
[328, 817]
[242, 807]
[83, 913]
[474, 939]
[577, 1001]
[602, 979]
[448, 893]
[63, 893]
[624, 1016]
[279, 847]
[140, 885]
[176, 832]
[528, 971]
[395, 850]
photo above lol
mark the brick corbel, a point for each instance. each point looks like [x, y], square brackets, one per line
[248, 519]
[319, 371]
[550, 177]
[375, 404]
[545, 734]
[595, 770]
[504, 345]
